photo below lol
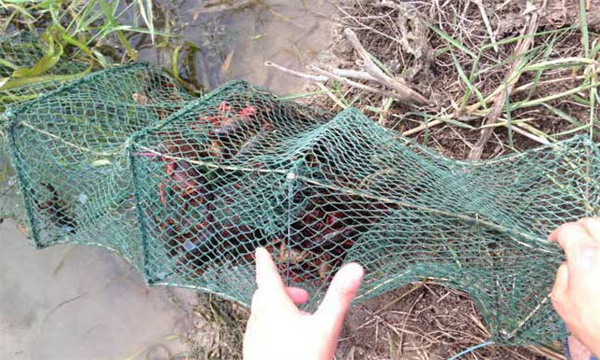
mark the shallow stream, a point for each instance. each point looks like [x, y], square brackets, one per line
[235, 38]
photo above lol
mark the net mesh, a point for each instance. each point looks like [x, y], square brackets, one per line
[69, 153]
[186, 189]
[30, 65]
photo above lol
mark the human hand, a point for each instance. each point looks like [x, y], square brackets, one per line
[576, 292]
[278, 330]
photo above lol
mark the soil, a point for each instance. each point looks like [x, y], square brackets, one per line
[431, 322]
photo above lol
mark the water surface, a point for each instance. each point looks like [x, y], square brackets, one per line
[235, 40]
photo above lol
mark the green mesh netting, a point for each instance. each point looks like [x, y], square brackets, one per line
[187, 189]
[69, 153]
[29, 66]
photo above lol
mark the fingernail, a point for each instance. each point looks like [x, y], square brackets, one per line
[354, 270]
[260, 253]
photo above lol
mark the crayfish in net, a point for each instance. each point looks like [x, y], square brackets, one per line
[208, 215]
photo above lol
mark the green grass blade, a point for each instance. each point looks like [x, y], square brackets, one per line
[469, 84]
[146, 13]
[52, 55]
[452, 41]
[111, 24]
[539, 101]
[563, 115]
[585, 36]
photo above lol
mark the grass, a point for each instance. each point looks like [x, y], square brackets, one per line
[97, 33]
[85, 25]
[71, 38]
[556, 79]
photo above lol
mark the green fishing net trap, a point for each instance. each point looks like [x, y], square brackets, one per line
[30, 65]
[186, 188]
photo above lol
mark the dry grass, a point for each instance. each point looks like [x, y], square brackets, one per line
[220, 329]
[419, 321]
[445, 51]
[425, 321]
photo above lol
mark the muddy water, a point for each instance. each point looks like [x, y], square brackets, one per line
[234, 44]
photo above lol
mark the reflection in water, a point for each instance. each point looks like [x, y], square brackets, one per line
[232, 40]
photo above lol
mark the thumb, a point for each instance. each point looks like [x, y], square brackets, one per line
[340, 294]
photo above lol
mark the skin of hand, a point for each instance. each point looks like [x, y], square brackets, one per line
[576, 292]
[278, 330]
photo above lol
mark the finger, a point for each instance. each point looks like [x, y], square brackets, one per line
[572, 237]
[259, 303]
[592, 225]
[267, 275]
[268, 302]
[270, 293]
[560, 284]
[340, 294]
[297, 295]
